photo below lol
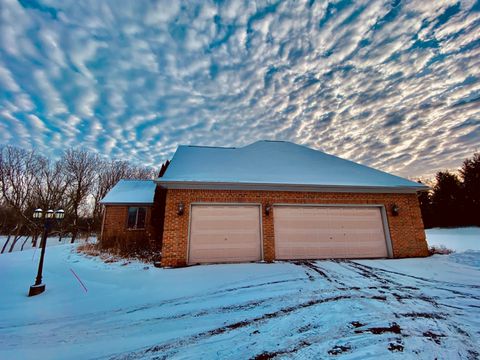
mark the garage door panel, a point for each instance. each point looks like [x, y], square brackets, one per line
[225, 240]
[224, 233]
[328, 232]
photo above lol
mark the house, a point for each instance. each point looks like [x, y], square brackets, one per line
[127, 211]
[275, 200]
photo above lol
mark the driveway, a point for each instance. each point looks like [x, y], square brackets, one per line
[414, 308]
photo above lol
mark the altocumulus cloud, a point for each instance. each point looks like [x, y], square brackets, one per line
[391, 84]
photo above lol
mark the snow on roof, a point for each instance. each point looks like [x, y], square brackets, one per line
[274, 163]
[131, 192]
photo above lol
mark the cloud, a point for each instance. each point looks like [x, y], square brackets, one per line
[390, 84]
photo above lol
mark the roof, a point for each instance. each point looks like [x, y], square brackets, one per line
[275, 165]
[131, 192]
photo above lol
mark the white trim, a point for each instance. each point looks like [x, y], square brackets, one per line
[383, 213]
[204, 185]
[188, 231]
[103, 222]
[127, 203]
[386, 231]
[260, 208]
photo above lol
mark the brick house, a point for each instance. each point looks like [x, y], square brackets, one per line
[278, 200]
[128, 210]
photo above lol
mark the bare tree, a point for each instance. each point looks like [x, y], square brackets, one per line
[76, 182]
[81, 171]
[18, 172]
[111, 172]
[51, 185]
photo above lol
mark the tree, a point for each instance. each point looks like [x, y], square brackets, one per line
[76, 182]
[50, 185]
[111, 172]
[425, 201]
[81, 170]
[470, 173]
[19, 169]
[447, 200]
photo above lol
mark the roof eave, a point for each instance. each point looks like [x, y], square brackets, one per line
[126, 203]
[203, 185]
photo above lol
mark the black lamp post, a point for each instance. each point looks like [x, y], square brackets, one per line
[48, 220]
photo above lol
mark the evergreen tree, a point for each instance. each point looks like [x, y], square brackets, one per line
[470, 173]
[448, 200]
[425, 201]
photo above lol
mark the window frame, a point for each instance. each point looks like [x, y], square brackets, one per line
[135, 227]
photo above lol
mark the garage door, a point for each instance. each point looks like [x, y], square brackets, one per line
[328, 232]
[224, 233]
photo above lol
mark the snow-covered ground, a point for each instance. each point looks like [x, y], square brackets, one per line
[25, 243]
[458, 239]
[412, 308]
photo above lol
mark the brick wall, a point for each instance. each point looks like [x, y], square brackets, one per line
[406, 229]
[115, 224]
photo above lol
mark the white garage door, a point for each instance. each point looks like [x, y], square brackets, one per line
[224, 233]
[328, 232]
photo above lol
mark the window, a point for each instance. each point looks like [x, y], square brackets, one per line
[136, 217]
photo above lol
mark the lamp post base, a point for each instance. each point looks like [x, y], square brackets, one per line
[36, 289]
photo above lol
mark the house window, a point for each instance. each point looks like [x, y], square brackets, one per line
[136, 217]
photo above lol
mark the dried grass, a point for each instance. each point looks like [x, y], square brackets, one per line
[440, 250]
[112, 255]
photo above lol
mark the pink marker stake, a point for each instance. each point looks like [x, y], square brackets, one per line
[80, 281]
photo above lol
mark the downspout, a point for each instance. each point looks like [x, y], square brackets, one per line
[103, 221]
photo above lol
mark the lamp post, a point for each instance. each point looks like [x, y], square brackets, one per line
[49, 219]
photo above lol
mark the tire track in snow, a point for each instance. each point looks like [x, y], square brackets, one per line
[408, 293]
[314, 266]
[193, 339]
[403, 292]
[170, 348]
[415, 277]
[183, 300]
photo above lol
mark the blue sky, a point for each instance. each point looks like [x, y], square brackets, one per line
[390, 84]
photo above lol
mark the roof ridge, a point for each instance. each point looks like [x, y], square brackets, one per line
[211, 147]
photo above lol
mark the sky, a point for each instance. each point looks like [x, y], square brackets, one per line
[390, 84]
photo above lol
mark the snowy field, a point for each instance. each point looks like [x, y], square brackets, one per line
[459, 239]
[25, 243]
[370, 309]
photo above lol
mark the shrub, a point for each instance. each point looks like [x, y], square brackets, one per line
[441, 250]
[131, 245]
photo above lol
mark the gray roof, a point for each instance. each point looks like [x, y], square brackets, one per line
[276, 165]
[131, 192]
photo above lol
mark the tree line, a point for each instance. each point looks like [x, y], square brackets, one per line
[454, 199]
[79, 179]
[76, 182]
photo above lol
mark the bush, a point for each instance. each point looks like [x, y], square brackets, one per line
[441, 250]
[129, 245]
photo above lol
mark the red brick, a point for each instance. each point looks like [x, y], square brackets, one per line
[406, 229]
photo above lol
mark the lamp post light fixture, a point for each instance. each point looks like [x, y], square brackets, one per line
[49, 218]
[268, 209]
[37, 214]
[395, 209]
[59, 214]
[180, 209]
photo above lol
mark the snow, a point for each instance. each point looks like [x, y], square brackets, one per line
[275, 162]
[131, 192]
[410, 308]
[464, 241]
[51, 241]
[457, 239]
